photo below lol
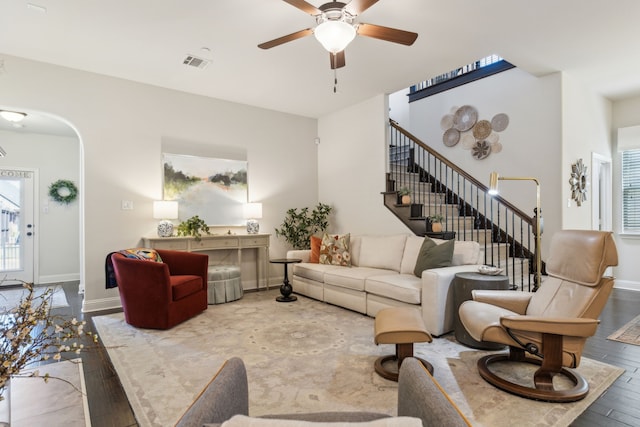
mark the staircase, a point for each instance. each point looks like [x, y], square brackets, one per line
[437, 186]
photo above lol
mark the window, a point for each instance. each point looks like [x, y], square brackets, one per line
[631, 191]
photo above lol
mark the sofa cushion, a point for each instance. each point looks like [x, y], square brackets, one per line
[312, 271]
[382, 251]
[400, 287]
[314, 256]
[185, 285]
[432, 255]
[464, 253]
[351, 278]
[410, 255]
[334, 250]
[244, 421]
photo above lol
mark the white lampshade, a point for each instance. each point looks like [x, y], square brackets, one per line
[335, 35]
[253, 210]
[165, 209]
[12, 116]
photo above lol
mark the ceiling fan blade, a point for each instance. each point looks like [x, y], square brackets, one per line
[285, 39]
[337, 60]
[389, 34]
[304, 6]
[356, 7]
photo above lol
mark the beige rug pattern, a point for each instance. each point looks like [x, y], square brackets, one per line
[306, 356]
[629, 333]
[11, 296]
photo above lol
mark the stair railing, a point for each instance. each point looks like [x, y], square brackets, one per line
[438, 186]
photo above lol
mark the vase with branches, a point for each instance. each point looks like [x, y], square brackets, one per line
[32, 334]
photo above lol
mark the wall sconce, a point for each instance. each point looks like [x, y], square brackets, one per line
[165, 210]
[537, 226]
[12, 116]
[253, 212]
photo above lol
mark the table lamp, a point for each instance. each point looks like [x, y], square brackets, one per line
[165, 211]
[253, 212]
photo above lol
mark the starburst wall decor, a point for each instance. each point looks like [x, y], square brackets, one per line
[578, 182]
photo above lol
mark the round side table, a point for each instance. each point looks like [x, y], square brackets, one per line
[463, 284]
[286, 289]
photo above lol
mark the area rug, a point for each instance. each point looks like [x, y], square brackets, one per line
[629, 333]
[57, 402]
[306, 356]
[11, 296]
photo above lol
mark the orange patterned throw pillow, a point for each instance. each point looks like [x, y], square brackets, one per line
[334, 250]
[314, 257]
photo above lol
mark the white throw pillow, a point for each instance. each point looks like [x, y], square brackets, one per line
[382, 251]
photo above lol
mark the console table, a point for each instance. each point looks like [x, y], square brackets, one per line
[214, 242]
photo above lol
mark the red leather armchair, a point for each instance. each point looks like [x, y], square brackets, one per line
[159, 295]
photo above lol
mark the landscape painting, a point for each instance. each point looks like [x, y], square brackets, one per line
[214, 189]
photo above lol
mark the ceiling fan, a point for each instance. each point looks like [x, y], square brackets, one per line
[337, 28]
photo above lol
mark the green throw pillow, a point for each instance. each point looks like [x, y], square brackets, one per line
[432, 255]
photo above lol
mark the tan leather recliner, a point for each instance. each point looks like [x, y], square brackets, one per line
[553, 323]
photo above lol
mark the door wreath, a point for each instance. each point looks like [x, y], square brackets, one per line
[63, 191]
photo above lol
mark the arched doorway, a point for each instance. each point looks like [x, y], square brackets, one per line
[41, 240]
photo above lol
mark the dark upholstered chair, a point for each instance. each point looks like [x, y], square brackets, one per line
[553, 323]
[419, 397]
[159, 295]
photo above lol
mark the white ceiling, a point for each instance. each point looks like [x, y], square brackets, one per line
[146, 40]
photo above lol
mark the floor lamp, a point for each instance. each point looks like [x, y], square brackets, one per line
[493, 190]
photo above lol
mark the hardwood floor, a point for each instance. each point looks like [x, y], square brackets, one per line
[619, 406]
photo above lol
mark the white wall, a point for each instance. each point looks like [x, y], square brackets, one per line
[121, 125]
[531, 142]
[626, 113]
[351, 168]
[55, 224]
[586, 129]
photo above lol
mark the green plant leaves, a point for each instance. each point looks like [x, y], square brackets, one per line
[300, 224]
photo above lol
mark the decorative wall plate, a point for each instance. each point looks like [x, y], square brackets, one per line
[496, 147]
[482, 129]
[465, 117]
[493, 138]
[467, 140]
[499, 122]
[578, 182]
[446, 122]
[451, 137]
[481, 150]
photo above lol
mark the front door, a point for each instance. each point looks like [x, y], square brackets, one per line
[17, 229]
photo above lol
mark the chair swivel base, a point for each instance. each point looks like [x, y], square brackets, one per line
[379, 366]
[543, 391]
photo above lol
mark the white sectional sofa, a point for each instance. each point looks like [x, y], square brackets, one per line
[381, 275]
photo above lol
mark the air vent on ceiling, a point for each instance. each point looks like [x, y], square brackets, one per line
[194, 61]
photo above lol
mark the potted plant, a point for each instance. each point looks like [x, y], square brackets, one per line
[194, 226]
[300, 224]
[405, 195]
[436, 222]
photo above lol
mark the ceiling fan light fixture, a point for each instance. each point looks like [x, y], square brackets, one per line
[12, 116]
[334, 35]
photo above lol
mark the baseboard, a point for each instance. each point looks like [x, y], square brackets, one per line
[56, 278]
[101, 304]
[627, 284]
